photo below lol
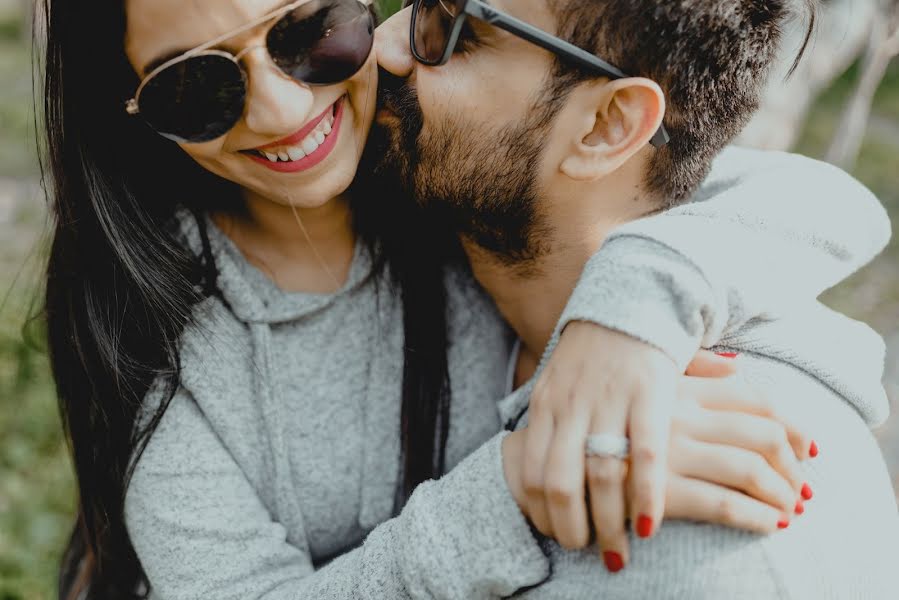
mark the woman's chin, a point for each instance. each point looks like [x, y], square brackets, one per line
[304, 196]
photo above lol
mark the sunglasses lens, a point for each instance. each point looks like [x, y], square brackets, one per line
[195, 100]
[323, 41]
[431, 31]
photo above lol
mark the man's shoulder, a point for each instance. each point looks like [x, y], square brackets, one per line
[745, 165]
[764, 176]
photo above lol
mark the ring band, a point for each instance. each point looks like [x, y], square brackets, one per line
[608, 445]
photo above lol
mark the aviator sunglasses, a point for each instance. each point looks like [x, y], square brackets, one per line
[437, 25]
[199, 95]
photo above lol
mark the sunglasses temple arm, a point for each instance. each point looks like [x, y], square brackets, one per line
[570, 52]
[528, 32]
[661, 137]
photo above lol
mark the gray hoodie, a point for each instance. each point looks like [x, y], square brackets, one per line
[272, 473]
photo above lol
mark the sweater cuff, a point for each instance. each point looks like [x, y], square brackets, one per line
[647, 290]
[469, 526]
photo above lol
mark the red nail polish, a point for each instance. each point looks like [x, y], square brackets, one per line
[728, 354]
[813, 449]
[800, 507]
[613, 560]
[644, 526]
[806, 491]
[783, 524]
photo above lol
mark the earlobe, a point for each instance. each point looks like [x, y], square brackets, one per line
[626, 114]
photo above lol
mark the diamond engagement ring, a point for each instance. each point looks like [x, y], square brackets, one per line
[608, 445]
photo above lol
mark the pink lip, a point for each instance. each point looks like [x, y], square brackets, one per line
[320, 154]
[299, 135]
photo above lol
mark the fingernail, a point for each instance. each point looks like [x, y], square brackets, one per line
[613, 560]
[644, 526]
[806, 491]
[728, 354]
[800, 507]
[783, 524]
[813, 449]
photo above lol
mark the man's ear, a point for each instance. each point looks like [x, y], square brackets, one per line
[617, 120]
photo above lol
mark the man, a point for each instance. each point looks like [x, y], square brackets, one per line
[537, 155]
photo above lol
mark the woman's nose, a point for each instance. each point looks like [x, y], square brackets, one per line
[276, 105]
[392, 44]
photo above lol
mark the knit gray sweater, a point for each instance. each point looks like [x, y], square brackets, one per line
[272, 473]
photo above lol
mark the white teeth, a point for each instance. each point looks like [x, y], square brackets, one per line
[306, 147]
[309, 145]
[295, 153]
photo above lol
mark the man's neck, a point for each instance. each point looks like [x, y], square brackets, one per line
[532, 300]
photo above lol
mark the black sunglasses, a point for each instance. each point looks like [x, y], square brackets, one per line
[436, 25]
[199, 95]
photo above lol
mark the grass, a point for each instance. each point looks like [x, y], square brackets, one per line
[36, 486]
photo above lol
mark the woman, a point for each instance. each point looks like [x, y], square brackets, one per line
[192, 313]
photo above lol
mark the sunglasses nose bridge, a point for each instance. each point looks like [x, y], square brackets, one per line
[239, 56]
[262, 66]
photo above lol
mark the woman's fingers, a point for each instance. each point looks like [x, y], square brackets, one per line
[736, 468]
[607, 509]
[650, 428]
[606, 477]
[564, 479]
[735, 394]
[539, 436]
[762, 436]
[708, 364]
[702, 501]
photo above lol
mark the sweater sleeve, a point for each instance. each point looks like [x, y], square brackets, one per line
[200, 530]
[766, 232]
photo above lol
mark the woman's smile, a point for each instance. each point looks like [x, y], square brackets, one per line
[304, 149]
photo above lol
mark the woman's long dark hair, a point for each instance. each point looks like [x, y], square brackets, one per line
[120, 288]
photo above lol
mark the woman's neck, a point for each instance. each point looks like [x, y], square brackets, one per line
[271, 236]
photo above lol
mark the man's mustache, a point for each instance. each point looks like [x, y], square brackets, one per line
[396, 95]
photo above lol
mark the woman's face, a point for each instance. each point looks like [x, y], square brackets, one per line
[281, 116]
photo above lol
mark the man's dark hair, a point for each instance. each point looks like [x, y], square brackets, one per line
[711, 58]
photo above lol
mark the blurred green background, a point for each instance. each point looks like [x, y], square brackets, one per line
[36, 488]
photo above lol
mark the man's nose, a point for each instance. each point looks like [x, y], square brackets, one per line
[392, 44]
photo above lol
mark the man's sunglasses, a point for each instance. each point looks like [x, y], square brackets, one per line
[436, 25]
[199, 95]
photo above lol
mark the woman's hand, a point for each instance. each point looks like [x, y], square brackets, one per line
[598, 381]
[733, 460]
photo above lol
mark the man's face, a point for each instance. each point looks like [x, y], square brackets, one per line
[471, 137]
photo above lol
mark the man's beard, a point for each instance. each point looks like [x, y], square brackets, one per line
[482, 182]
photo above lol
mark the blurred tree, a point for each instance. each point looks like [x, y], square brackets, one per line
[27, 7]
[842, 31]
[883, 46]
